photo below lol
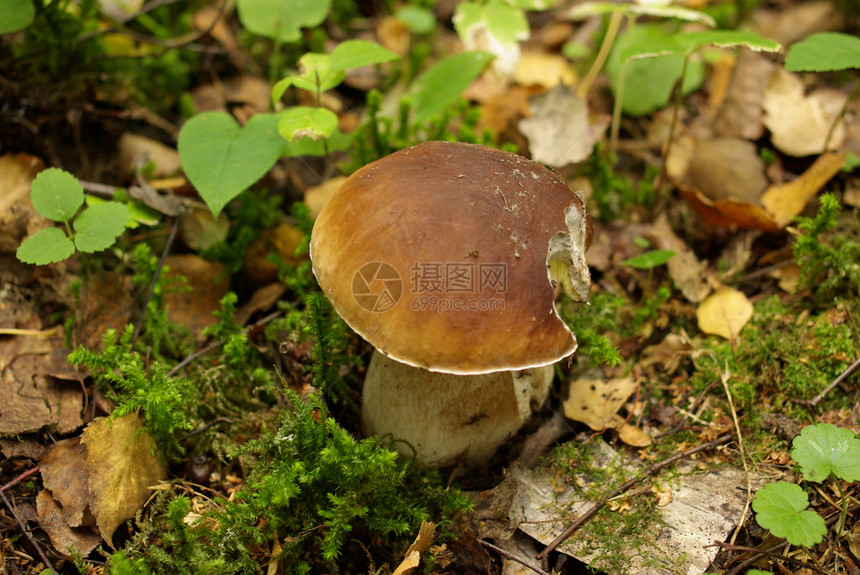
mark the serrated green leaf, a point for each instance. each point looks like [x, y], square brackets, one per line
[649, 260]
[56, 194]
[441, 85]
[282, 19]
[358, 53]
[45, 247]
[221, 159]
[727, 39]
[98, 226]
[823, 52]
[306, 122]
[16, 15]
[781, 509]
[823, 448]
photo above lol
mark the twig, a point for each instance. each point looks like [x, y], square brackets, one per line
[20, 478]
[792, 560]
[817, 399]
[209, 424]
[26, 533]
[195, 355]
[510, 556]
[624, 487]
[166, 251]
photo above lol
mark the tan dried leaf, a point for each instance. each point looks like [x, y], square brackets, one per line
[724, 313]
[632, 435]
[786, 201]
[63, 474]
[685, 269]
[121, 467]
[63, 537]
[595, 402]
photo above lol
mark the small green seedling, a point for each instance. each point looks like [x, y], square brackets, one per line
[649, 260]
[822, 450]
[824, 52]
[58, 196]
[281, 20]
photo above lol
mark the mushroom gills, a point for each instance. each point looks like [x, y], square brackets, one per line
[565, 259]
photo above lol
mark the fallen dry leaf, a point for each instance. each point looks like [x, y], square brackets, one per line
[105, 302]
[685, 269]
[543, 69]
[199, 230]
[121, 467]
[132, 147]
[799, 124]
[18, 217]
[283, 241]
[724, 313]
[560, 130]
[787, 201]
[194, 309]
[632, 435]
[595, 402]
[740, 115]
[65, 539]
[63, 474]
[412, 557]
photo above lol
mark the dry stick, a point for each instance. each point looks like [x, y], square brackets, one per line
[761, 553]
[510, 556]
[792, 560]
[155, 278]
[26, 533]
[20, 478]
[817, 399]
[624, 487]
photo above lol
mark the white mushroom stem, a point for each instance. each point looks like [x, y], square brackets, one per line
[448, 418]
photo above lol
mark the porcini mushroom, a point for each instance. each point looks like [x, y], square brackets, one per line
[444, 257]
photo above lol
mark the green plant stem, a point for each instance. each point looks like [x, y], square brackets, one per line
[840, 115]
[679, 90]
[841, 526]
[275, 61]
[602, 55]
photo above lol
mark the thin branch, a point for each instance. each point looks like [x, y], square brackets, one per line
[761, 553]
[792, 560]
[510, 556]
[817, 399]
[26, 533]
[624, 487]
[20, 478]
[167, 247]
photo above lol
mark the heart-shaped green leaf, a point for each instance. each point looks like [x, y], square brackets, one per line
[306, 122]
[221, 159]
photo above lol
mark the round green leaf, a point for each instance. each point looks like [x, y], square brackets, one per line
[221, 159]
[16, 15]
[650, 260]
[56, 194]
[282, 19]
[306, 122]
[419, 20]
[823, 448]
[781, 509]
[45, 247]
[824, 51]
[98, 226]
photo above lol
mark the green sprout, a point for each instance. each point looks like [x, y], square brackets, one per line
[58, 195]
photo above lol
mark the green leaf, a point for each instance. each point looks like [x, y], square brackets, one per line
[45, 247]
[419, 20]
[306, 122]
[221, 159]
[282, 19]
[56, 194]
[824, 51]
[823, 448]
[727, 39]
[676, 12]
[781, 508]
[503, 24]
[317, 73]
[15, 15]
[98, 226]
[337, 142]
[649, 260]
[358, 53]
[441, 85]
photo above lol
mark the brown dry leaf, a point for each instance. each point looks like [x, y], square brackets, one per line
[790, 22]
[799, 124]
[200, 231]
[786, 201]
[18, 218]
[22, 446]
[724, 313]
[317, 196]
[202, 20]
[64, 475]
[740, 114]
[262, 299]
[667, 353]
[412, 557]
[105, 302]
[664, 495]
[164, 158]
[80, 539]
[632, 435]
[121, 467]
[724, 168]
[560, 131]
[253, 92]
[283, 241]
[543, 69]
[23, 408]
[685, 269]
[501, 112]
[193, 309]
[595, 402]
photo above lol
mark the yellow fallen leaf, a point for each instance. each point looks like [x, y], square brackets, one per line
[785, 201]
[724, 313]
[412, 557]
[595, 402]
[632, 435]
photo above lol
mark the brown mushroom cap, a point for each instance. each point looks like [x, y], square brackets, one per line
[438, 256]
